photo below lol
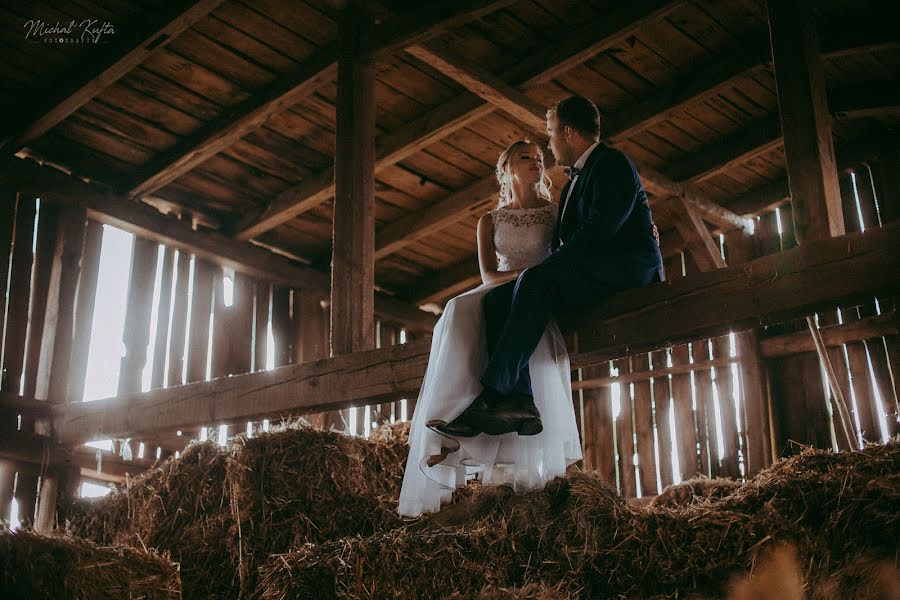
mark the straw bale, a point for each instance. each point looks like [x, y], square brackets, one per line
[579, 537]
[299, 485]
[180, 507]
[40, 567]
[693, 491]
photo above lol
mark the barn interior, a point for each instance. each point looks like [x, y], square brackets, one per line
[229, 228]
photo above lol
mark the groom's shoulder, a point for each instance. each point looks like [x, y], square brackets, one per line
[614, 158]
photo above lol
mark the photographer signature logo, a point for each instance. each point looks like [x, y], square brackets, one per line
[87, 31]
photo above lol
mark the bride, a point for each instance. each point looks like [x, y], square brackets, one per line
[514, 236]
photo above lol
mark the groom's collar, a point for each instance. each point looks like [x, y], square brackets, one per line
[579, 164]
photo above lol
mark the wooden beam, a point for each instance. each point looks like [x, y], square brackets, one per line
[145, 221]
[353, 250]
[132, 48]
[805, 121]
[695, 234]
[426, 21]
[235, 123]
[767, 290]
[432, 219]
[448, 282]
[832, 335]
[584, 42]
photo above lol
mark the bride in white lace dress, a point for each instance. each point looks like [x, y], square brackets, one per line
[511, 238]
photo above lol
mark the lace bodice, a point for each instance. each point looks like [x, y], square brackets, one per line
[522, 235]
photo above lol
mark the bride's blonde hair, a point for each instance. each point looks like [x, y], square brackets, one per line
[504, 177]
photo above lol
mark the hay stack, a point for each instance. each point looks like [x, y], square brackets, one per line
[580, 538]
[180, 507]
[696, 490]
[39, 567]
[301, 485]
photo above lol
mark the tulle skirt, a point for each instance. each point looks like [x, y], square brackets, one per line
[457, 360]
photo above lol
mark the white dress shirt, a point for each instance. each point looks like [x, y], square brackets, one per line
[579, 164]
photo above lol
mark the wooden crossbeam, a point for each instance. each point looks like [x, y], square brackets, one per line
[832, 335]
[695, 234]
[764, 291]
[145, 221]
[580, 45]
[150, 34]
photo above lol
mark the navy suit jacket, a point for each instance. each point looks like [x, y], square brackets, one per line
[607, 228]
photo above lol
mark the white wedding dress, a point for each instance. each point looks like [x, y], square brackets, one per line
[458, 358]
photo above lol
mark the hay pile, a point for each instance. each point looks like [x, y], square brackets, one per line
[39, 567]
[578, 537]
[221, 511]
[302, 485]
[180, 507]
[696, 490]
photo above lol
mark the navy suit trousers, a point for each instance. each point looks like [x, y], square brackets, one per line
[517, 312]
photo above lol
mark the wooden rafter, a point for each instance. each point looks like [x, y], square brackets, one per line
[152, 33]
[315, 71]
[583, 43]
[696, 236]
[763, 291]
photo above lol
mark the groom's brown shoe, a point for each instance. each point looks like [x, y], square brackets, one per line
[495, 414]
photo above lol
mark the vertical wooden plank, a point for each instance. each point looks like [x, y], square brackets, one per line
[19, 294]
[860, 382]
[705, 412]
[625, 435]
[799, 395]
[7, 488]
[201, 306]
[281, 325]
[866, 193]
[84, 316]
[805, 120]
[643, 426]
[179, 319]
[685, 425]
[662, 395]
[848, 203]
[886, 176]
[48, 231]
[46, 505]
[599, 437]
[353, 263]
[8, 201]
[262, 305]
[60, 318]
[838, 358]
[136, 334]
[233, 333]
[26, 497]
[725, 388]
[310, 325]
[157, 375]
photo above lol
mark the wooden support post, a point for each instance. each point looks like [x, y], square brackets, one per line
[157, 376]
[805, 121]
[353, 264]
[136, 334]
[625, 436]
[179, 319]
[201, 306]
[84, 317]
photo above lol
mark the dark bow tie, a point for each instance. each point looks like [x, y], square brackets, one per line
[572, 172]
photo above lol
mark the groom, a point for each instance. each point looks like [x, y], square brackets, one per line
[604, 241]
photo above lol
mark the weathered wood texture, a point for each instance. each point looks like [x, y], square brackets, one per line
[767, 290]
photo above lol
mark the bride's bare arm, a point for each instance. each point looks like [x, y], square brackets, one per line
[487, 254]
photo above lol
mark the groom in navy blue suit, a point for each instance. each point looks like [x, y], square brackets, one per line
[604, 241]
